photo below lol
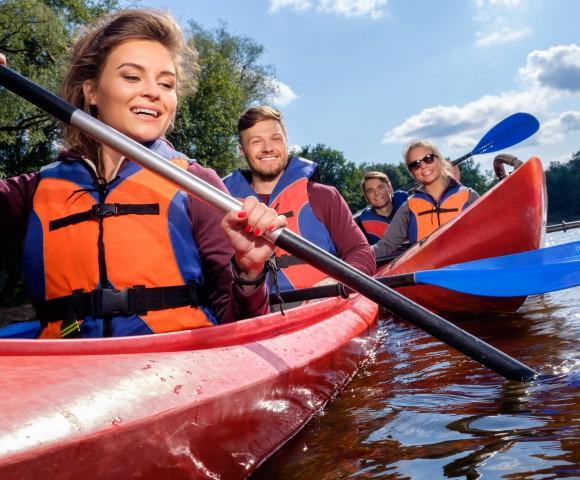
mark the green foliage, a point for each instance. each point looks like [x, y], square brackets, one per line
[35, 36]
[398, 174]
[562, 180]
[231, 78]
[337, 171]
[471, 176]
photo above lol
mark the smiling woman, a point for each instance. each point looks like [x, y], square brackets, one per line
[439, 198]
[110, 248]
[135, 94]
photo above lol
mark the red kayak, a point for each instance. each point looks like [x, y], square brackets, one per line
[509, 218]
[216, 402]
[210, 403]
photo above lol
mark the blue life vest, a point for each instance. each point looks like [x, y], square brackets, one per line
[373, 225]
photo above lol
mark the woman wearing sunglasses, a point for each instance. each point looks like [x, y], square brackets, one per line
[436, 201]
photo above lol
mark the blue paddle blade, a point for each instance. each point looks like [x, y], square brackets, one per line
[507, 133]
[521, 274]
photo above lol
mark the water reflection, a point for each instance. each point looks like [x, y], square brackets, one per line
[421, 410]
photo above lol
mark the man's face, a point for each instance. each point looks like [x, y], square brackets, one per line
[377, 192]
[265, 149]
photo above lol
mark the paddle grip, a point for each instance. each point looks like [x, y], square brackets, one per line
[35, 94]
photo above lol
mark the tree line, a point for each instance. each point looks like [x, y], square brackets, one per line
[35, 36]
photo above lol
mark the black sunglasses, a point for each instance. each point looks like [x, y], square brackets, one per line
[416, 164]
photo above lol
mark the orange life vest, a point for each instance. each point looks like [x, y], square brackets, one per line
[427, 215]
[132, 232]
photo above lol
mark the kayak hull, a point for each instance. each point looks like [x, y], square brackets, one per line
[178, 405]
[509, 218]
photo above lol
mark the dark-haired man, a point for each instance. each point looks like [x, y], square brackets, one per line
[383, 203]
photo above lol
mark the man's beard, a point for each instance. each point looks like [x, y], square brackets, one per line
[268, 176]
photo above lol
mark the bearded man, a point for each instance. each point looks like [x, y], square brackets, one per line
[314, 211]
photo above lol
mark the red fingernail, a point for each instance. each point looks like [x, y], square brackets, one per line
[257, 232]
[248, 228]
[242, 214]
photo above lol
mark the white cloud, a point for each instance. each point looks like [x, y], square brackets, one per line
[503, 35]
[354, 8]
[499, 22]
[298, 5]
[498, 3]
[284, 94]
[557, 68]
[294, 150]
[347, 8]
[556, 129]
[552, 74]
[461, 143]
[458, 121]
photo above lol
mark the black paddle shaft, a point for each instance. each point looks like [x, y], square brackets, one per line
[431, 323]
[445, 331]
[337, 289]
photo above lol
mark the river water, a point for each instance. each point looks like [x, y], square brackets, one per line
[419, 410]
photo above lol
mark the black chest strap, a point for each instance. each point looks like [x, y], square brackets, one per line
[438, 210]
[107, 302]
[101, 210]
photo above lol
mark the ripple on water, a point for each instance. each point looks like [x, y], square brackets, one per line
[411, 428]
[505, 423]
[530, 460]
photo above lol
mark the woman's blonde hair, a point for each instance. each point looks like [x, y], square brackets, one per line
[446, 167]
[94, 45]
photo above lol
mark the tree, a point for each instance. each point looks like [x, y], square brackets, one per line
[471, 176]
[35, 35]
[231, 78]
[562, 184]
[337, 171]
[398, 174]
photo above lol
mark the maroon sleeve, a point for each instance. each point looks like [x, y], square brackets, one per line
[226, 299]
[351, 244]
[16, 194]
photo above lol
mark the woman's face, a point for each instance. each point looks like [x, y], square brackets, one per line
[136, 91]
[425, 172]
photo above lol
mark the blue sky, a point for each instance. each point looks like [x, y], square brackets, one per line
[366, 76]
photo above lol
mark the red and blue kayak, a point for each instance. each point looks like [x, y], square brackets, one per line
[216, 402]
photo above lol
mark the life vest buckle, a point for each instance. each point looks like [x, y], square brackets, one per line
[105, 209]
[110, 301]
